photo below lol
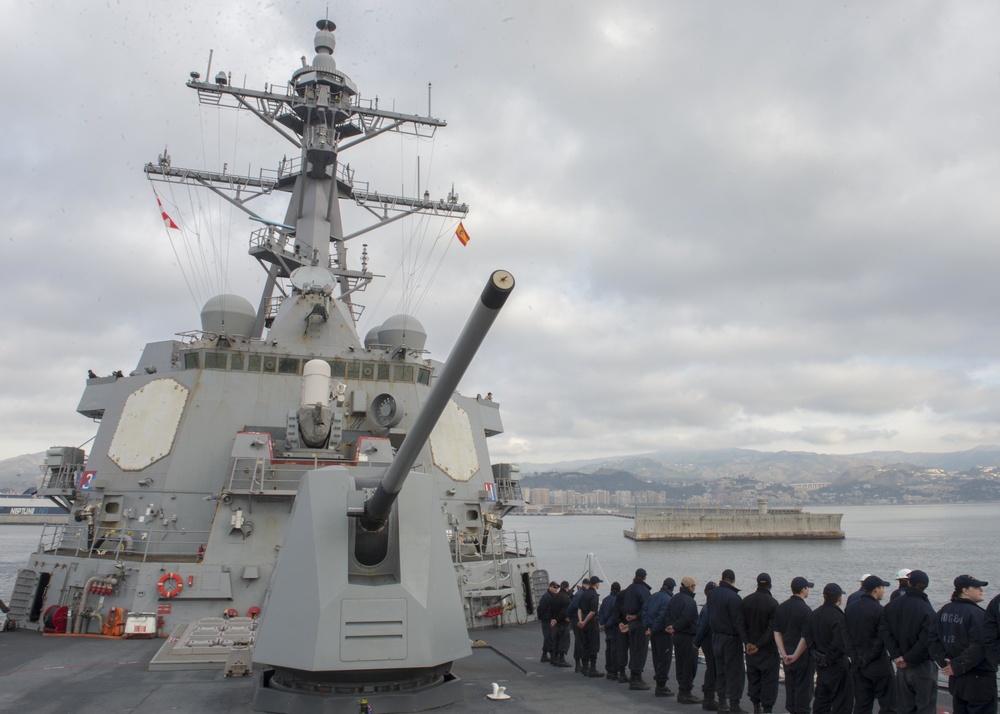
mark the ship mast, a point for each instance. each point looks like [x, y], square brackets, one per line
[321, 113]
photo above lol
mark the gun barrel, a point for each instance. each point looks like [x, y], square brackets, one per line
[493, 297]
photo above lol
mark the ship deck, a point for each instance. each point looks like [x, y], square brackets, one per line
[47, 674]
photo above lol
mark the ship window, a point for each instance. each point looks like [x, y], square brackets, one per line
[353, 370]
[215, 360]
[367, 371]
[191, 360]
[383, 372]
[111, 507]
[288, 365]
[269, 364]
[403, 373]
[472, 515]
[424, 376]
[337, 368]
[236, 362]
[253, 363]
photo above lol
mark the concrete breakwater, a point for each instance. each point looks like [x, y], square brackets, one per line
[724, 524]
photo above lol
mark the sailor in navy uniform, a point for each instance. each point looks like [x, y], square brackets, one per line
[958, 646]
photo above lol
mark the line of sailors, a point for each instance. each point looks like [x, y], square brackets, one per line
[836, 660]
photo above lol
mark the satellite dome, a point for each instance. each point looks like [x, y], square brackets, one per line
[228, 315]
[372, 337]
[402, 331]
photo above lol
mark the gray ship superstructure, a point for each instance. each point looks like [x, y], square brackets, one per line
[182, 506]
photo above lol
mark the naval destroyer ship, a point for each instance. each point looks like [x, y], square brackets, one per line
[181, 510]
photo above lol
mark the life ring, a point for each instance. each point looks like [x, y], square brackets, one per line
[174, 589]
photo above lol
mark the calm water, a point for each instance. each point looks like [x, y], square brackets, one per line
[944, 540]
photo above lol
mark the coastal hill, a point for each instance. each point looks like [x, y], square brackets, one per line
[737, 477]
[721, 475]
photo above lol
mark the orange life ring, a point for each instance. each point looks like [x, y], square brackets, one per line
[172, 591]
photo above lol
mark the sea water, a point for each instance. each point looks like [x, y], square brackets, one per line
[943, 540]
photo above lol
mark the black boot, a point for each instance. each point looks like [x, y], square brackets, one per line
[708, 704]
[664, 691]
[756, 708]
[622, 678]
[735, 708]
[723, 707]
[545, 657]
[593, 671]
[685, 696]
[561, 662]
[636, 682]
[578, 668]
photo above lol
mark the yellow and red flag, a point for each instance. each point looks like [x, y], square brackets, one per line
[462, 236]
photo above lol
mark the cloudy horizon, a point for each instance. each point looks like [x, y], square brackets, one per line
[766, 226]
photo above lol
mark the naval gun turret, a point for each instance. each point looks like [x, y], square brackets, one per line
[363, 600]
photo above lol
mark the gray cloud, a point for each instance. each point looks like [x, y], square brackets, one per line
[765, 226]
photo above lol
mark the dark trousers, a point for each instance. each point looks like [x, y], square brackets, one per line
[577, 640]
[834, 692]
[973, 693]
[662, 647]
[917, 688]
[686, 661]
[730, 672]
[560, 638]
[799, 685]
[590, 642]
[708, 683]
[547, 637]
[875, 681]
[638, 647]
[762, 677]
[622, 649]
[611, 649]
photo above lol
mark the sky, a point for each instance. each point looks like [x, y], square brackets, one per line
[764, 225]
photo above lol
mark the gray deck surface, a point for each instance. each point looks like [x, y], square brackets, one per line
[42, 674]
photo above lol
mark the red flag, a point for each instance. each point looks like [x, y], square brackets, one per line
[167, 220]
[462, 236]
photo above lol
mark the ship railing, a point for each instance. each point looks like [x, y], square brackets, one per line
[133, 544]
[257, 477]
[467, 547]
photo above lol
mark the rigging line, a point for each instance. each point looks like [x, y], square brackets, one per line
[173, 247]
[437, 268]
[192, 263]
[197, 247]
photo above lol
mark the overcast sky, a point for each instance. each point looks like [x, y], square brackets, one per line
[768, 225]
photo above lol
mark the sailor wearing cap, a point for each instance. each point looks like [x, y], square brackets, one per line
[826, 634]
[872, 670]
[729, 636]
[762, 654]
[908, 621]
[789, 620]
[859, 592]
[682, 614]
[544, 613]
[590, 631]
[661, 643]
[959, 649]
[630, 614]
[903, 578]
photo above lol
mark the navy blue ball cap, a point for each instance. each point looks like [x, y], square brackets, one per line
[640, 573]
[918, 577]
[967, 581]
[799, 582]
[595, 580]
[872, 582]
[763, 579]
[833, 589]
